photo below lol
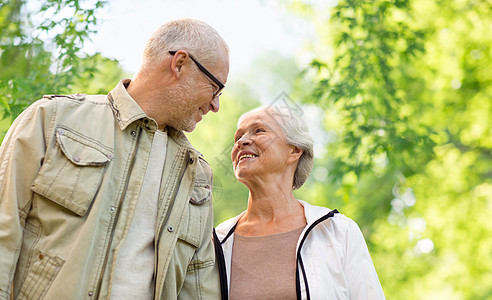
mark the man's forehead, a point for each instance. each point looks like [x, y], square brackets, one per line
[221, 67]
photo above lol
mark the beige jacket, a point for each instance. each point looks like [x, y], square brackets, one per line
[70, 167]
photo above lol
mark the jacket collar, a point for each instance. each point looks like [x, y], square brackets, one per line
[311, 212]
[125, 109]
[180, 138]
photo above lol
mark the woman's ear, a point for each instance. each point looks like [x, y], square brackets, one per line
[295, 153]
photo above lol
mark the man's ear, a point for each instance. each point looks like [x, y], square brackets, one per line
[178, 61]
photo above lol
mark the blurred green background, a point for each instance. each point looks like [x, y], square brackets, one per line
[399, 94]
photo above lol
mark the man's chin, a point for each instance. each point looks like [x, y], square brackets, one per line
[189, 127]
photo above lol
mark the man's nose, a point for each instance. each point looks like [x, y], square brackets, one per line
[214, 104]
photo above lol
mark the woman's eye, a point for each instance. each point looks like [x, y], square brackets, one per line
[259, 130]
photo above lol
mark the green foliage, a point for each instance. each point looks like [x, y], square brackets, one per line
[363, 84]
[100, 75]
[45, 57]
[406, 92]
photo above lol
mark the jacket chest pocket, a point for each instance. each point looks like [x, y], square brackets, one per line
[72, 171]
[197, 213]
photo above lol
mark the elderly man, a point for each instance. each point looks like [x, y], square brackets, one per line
[103, 197]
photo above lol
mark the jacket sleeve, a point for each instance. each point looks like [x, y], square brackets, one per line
[21, 155]
[361, 275]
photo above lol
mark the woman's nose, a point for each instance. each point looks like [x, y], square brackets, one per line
[243, 141]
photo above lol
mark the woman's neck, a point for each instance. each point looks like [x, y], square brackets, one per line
[271, 210]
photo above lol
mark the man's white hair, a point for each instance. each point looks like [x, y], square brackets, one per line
[197, 37]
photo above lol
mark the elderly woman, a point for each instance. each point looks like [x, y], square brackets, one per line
[282, 247]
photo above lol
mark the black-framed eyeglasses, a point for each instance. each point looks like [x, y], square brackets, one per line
[206, 72]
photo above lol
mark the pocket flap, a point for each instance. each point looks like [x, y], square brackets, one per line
[79, 152]
[200, 193]
[73, 170]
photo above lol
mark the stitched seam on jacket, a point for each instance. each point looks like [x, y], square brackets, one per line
[85, 101]
[198, 284]
[134, 145]
[171, 181]
[47, 272]
[14, 266]
[70, 198]
[86, 140]
[30, 251]
[54, 178]
[200, 265]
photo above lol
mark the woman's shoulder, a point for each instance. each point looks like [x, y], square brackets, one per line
[337, 229]
[317, 215]
[223, 228]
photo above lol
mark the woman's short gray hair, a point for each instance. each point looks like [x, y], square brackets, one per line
[194, 36]
[296, 134]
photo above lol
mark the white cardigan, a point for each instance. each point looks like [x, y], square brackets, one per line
[334, 256]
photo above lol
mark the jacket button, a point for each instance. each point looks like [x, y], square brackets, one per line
[76, 159]
[170, 229]
[191, 160]
[133, 133]
[41, 256]
[90, 294]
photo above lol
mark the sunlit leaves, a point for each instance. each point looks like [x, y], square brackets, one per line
[407, 93]
[42, 55]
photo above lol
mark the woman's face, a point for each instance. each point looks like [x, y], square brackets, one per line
[260, 148]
